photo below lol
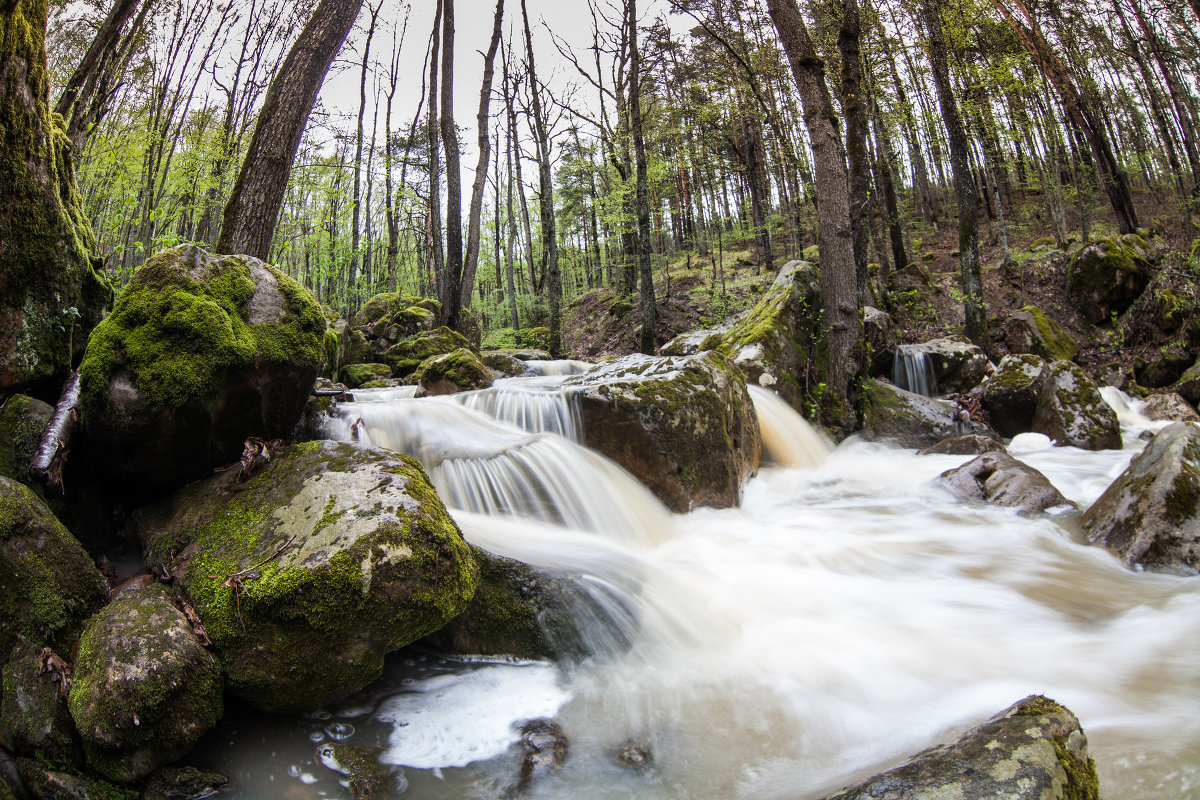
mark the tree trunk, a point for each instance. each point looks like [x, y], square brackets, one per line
[841, 320]
[454, 240]
[859, 160]
[50, 294]
[253, 208]
[355, 236]
[474, 217]
[974, 310]
[641, 189]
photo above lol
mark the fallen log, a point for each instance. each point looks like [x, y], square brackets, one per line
[51, 457]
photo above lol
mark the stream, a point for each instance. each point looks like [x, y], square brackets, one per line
[848, 614]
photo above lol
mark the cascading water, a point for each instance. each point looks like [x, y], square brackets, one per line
[848, 614]
[913, 372]
[788, 441]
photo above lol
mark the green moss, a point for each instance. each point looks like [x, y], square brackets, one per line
[22, 421]
[1056, 343]
[538, 337]
[355, 375]
[462, 368]
[1183, 500]
[182, 326]
[500, 339]
[406, 356]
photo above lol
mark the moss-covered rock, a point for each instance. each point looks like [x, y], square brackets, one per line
[51, 292]
[1165, 368]
[1031, 331]
[1150, 515]
[183, 783]
[34, 719]
[309, 573]
[45, 783]
[200, 352]
[1107, 275]
[144, 690]
[365, 776]
[406, 355]
[1001, 480]
[1188, 385]
[1071, 411]
[903, 419]
[1033, 750]
[50, 583]
[505, 365]
[1012, 393]
[355, 375]
[22, 421]
[459, 371]
[684, 426]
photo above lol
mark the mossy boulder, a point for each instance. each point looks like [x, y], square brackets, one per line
[406, 355]
[1188, 385]
[50, 584]
[904, 419]
[503, 364]
[685, 426]
[1170, 407]
[364, 775]
[882, 336]
[459, 371]
[408, 314]
[355, 375]
[200, 352]
[52, 293]
[22, 421]
[999, 479]
[1071, 411]
[310, 572]
[1012, 393]
[520, 611]
[1165, 368]
[958, 364]
[34, 719]
[1033, 750]
[1150, 515]
[1031, 331]
[1108, 275]
[45, 783]
[144, 689]
[776, 344]
[336, 347]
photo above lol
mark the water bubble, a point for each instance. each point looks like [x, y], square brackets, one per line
[294, 771]
[339, 731]
[316, 737]
[407, 682]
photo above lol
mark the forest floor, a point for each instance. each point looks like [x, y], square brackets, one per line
[925, 298]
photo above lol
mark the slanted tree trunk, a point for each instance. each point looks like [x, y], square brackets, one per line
[964, 184]
[253, 208]
[50, 293]
[475, 214]
[841, 320]
[355, 227]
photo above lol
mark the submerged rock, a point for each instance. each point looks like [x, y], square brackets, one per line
[199, 353]
[544, 749]
[1031, 331]
[972, 445]
[310, 572]
[1002, 480]
[145, 689]
[50, 585]
[1107, 275]
[1150, 515]
[1012, 393]
[365, 777]
[1033, 750]
[1071, 411]
[684, 426]
[904, 419]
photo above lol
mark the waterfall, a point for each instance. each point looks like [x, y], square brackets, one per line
[788, 439]
[913, 372]
[564, 366]
[536, 405]
[483, 465]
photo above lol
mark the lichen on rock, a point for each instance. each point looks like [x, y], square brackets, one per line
[1072, 412]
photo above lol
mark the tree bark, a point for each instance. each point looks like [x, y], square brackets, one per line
[974, 311]
[641, 189]
[859, 160]
[841, 320]
[475, 215]
[253, 208]
[454, 241]
[355, 239]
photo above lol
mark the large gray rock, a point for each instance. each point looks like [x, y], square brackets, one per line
[34, 719]
[883, 336]
[1149, 515]
[1011, 394]
[458, 371]
[903, 419]
[1029, 330]
[50, 584]
[199, 353]
[1188, 385]
[1071, 411]
[336, 553]
[1170, 407]
[144, 689]
[685, 426]
[1033, 750]
[958, 365]
[1000, 479]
